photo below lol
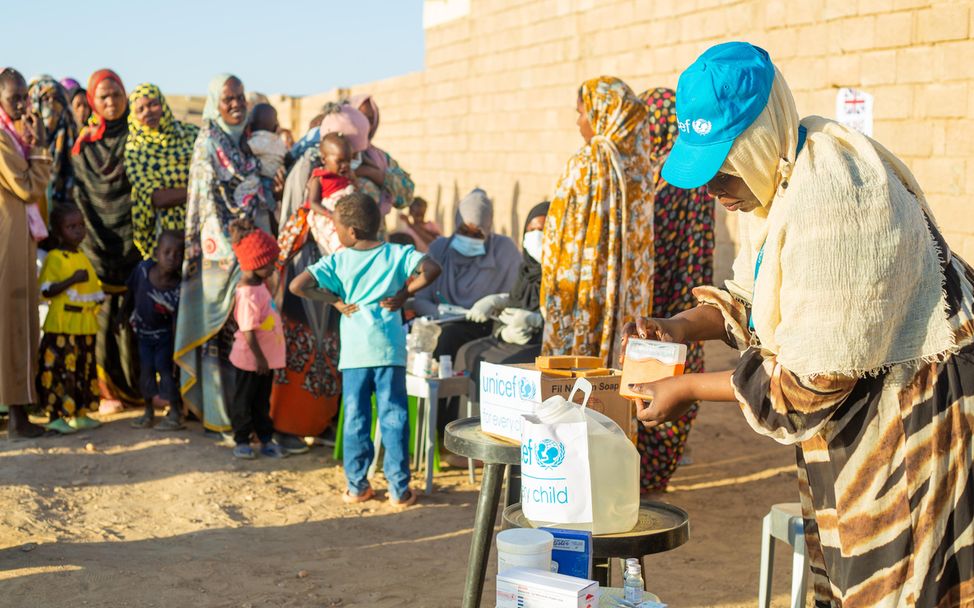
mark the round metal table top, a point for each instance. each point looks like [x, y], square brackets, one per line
[464, 438]
[661, 527]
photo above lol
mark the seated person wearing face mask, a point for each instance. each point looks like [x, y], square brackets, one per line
[516, 337]
[476, 264]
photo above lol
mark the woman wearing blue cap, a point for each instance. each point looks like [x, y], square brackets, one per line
[856, 326]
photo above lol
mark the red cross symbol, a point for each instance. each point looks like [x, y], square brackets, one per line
[854, 102]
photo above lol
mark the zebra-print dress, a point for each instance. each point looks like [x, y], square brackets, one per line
[885, 467]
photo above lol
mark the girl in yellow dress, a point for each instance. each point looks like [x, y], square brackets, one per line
[68, 378]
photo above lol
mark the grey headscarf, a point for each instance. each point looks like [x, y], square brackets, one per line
[465, 280]
[476, 208]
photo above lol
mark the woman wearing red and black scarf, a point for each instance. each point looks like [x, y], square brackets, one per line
[103, 192]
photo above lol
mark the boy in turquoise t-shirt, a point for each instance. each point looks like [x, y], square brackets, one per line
[366, 282]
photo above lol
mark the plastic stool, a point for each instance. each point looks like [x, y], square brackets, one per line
[784, 522]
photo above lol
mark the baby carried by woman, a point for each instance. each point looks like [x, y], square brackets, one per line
[328, 184]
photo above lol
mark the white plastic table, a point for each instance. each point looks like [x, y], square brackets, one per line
[428, 392]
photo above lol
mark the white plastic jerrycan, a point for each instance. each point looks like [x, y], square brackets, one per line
[578, 468]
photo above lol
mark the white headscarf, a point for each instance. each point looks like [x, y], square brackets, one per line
[211, 111]
[764, 157]
[850, 280]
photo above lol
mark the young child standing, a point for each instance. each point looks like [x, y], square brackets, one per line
[328, 185]
[150, 307]
[258, 344]
[68, 377]
[367, 282]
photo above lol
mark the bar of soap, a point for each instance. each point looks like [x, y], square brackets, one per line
[649, 361]
[563, 362]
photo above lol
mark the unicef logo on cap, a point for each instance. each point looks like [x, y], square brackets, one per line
[527, 389]
[550, 453]
[702, 127]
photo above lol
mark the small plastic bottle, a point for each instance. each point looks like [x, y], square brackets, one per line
[632, 588]
[625, 572]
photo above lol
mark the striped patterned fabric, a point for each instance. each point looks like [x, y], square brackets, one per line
[885, 462]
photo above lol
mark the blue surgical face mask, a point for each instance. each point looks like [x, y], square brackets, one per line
[467, 246]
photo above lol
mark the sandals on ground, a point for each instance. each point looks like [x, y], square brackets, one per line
[142, 422]
[352, 499]
[84, 423]
[60, 425]
[405, 501]
[170, 424]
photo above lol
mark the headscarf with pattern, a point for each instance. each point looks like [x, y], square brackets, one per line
[661, 127]
[156, 159]
[684, 219]
[49, 95]
[598, 257]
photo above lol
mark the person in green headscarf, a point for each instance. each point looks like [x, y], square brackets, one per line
[157, 156]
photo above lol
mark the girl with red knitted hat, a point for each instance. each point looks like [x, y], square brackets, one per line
[258, 344]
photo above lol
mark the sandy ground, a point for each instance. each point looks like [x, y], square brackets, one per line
[152, 519]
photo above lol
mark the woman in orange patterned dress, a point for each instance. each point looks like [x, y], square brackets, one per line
[598, 258]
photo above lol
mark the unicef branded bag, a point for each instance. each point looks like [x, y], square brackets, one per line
[578, 469]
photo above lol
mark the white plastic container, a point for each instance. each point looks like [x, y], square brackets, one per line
[422, 365]
[524, 548]
[446, 366]
[613, 467]
[422, 338]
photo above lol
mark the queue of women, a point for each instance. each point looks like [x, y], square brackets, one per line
[854, 319]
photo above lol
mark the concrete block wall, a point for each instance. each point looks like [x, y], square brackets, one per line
[495, 104]
[187, 108]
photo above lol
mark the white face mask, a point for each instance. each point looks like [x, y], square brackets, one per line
[533, 243]
[356, 161]
[467, 246]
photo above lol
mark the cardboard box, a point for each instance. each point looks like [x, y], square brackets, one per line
[527, 588]
[509, 391]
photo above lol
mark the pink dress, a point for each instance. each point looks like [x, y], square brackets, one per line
[254, 311]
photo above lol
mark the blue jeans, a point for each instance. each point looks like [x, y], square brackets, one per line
[389, 386]
[155, 357]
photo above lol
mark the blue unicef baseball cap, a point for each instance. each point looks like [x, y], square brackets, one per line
[717, 99]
